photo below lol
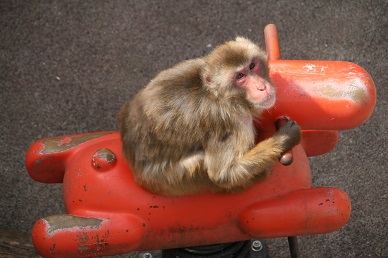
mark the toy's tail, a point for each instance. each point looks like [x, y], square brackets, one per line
[46, 158]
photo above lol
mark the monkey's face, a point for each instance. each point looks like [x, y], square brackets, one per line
[240, 67]
[253, 79]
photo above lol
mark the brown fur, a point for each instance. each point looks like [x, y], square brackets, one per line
[191, 130]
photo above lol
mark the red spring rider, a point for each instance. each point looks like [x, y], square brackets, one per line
[108, 213]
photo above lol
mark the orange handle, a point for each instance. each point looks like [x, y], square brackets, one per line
[272, 42]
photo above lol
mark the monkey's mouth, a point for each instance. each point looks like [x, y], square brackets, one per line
[268, 101]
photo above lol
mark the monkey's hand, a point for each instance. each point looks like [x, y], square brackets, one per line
[289, 135]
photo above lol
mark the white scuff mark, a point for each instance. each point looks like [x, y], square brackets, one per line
[351, 74]
[70, 223]
[315, 68]
[348, 89]
[310, 67]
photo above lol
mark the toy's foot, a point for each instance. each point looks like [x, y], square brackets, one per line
[69, 236]
[306, 211]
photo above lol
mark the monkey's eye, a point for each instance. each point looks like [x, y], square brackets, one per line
[251, 66]
[240, 75]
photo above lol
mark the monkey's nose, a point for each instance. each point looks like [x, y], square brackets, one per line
[262, 87]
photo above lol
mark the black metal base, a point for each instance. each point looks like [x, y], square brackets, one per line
[244, 249]
[294, 247]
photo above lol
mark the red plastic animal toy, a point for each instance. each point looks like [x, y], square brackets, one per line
[107, 213]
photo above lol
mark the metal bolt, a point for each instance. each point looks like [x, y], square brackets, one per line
[256, 246]
[147, 255]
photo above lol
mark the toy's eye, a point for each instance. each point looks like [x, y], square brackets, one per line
[239, 76]
[251, 66]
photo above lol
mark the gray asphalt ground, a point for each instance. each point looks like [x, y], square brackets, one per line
[67, 67]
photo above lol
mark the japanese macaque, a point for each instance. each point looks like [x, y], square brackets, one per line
[191, 129]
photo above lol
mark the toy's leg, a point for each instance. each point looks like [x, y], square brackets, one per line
[306, 211]
[69, 236]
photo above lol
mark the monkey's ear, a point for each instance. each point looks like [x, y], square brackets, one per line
[207, 80]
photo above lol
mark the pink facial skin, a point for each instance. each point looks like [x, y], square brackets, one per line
[260, 92]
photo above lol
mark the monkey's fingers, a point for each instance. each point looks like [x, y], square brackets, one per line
[287, 158]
